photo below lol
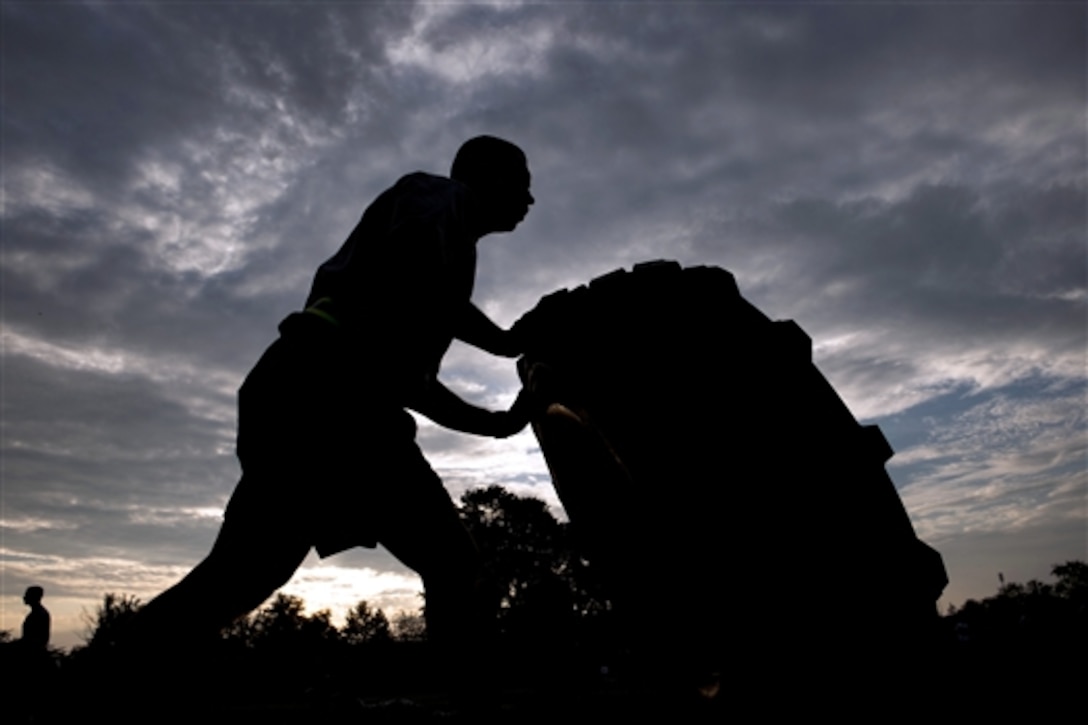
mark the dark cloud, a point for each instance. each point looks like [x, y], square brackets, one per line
[91, 441]
[94, 79]
[941, 240]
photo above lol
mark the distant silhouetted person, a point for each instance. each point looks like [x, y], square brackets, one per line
[29, 668]
[37, 623]
[326, 446]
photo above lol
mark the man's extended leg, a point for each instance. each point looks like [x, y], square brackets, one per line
[249, 561]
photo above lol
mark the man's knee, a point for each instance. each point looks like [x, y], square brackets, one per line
[445, 555]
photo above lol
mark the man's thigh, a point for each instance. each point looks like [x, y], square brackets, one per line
[256, 554]
[248, 562]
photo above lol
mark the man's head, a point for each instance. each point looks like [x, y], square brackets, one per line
[33, 595]
[497, 171]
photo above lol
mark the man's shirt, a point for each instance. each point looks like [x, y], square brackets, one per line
[36, 628]
[403, 278]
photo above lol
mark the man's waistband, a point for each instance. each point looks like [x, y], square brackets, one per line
[325, 309]
[321, 331]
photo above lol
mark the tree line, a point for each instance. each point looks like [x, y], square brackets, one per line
[549, 607]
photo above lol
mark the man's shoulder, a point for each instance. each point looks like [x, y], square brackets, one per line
[423, 182]
[427, 198]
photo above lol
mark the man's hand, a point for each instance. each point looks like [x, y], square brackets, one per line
[439, 404]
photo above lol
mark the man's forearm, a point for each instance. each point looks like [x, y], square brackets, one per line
[477, 329]
[441, 405]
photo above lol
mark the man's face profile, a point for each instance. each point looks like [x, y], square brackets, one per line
[509, 198]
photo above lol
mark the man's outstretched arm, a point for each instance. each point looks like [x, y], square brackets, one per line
[478, 330]
[441, 405]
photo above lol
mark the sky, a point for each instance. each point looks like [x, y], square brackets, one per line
[905, 180]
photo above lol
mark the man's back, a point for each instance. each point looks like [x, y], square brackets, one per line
[404, 274]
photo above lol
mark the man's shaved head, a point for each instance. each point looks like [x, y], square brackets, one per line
[486, 161]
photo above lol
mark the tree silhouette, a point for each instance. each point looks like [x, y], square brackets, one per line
[364, 625]
[1072, 581]
[281, 618]
[1028, 639]
[547, 601]
[281, 624]
[409, 627]
[279, 653]
[110, 619]
[521, 542]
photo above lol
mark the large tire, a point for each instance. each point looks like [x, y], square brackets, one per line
[706, 463]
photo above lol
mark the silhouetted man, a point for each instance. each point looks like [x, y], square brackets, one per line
[37, 623]
[29, 676]
[326, 446]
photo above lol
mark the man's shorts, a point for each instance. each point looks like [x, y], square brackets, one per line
[324, 457]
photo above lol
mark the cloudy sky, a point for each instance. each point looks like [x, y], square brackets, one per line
[907, 181]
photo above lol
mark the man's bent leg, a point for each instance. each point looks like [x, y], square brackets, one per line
[433, 542]
[428, 536]
[419, 524]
